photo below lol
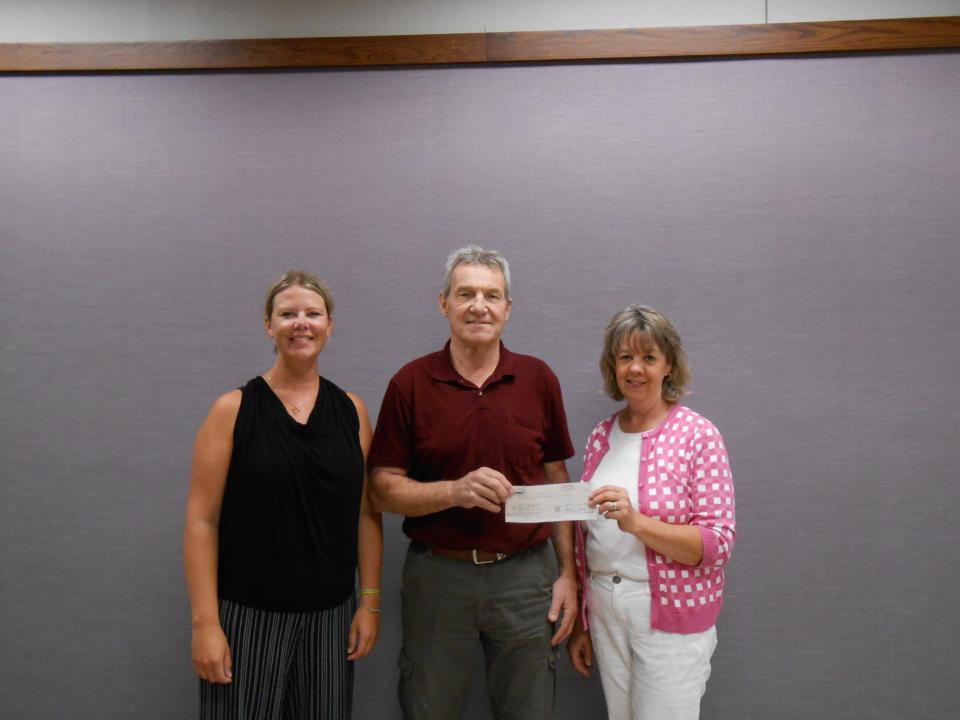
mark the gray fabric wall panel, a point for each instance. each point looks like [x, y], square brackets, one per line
[796, 218]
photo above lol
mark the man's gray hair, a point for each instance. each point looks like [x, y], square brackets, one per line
[473, 255]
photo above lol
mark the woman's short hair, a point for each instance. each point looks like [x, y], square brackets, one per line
[654, 328]
[303, 279]
[473, 255]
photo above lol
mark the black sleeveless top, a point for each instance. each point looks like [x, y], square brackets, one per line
[291, 505]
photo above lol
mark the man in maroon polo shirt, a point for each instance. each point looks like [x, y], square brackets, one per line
[457, 430]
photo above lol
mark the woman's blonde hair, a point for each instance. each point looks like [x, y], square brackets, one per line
[303, 279]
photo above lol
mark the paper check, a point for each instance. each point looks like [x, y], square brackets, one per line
[549, 503]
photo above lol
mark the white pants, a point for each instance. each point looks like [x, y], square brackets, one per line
[646, 674]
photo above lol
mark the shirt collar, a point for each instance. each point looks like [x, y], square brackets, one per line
[442, 366]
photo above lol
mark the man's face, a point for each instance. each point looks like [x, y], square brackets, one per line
[477, 306]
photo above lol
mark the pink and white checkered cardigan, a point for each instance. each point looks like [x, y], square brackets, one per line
[685, 478]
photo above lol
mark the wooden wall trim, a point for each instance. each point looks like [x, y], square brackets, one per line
[244, 54]
[727, 40]
[554, 46]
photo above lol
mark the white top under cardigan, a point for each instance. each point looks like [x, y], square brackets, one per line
[610, 550]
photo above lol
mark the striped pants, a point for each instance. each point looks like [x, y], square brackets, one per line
[286, 666]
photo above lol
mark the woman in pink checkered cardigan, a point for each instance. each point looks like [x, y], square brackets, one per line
[651, 562]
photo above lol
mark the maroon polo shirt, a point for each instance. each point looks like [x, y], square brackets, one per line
[438, 426]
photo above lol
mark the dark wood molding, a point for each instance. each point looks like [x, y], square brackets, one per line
[727, 40]
[244, 54]
[554, 46]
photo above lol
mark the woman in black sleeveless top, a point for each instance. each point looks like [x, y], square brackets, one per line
[278, 522]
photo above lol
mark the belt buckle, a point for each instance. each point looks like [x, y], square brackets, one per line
[478, 561]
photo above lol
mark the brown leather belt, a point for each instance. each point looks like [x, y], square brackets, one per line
[477, 557]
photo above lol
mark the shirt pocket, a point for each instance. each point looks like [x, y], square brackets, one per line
[524, 441]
